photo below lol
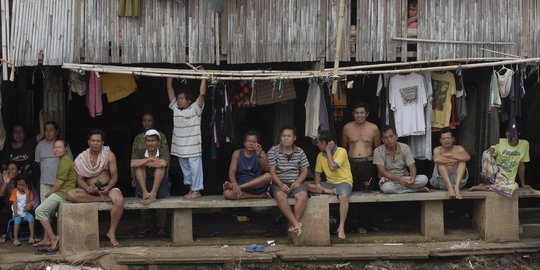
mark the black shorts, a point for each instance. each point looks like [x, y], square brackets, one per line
[362, 170]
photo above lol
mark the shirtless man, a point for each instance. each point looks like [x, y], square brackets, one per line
[97, 175]
[450, 170]
[360, 137]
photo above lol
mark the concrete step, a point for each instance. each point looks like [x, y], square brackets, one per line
[530, 230]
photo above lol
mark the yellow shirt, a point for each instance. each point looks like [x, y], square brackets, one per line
[342, 174]
[444, 86]
[117, 86]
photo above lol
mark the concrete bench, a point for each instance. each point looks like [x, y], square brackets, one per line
[495, 217]
[79, 230]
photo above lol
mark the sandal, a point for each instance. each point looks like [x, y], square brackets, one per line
[31, 241]
[3, 238]
[16, 243]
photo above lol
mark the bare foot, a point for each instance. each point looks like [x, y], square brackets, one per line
[193, 195]
[451, 193]
[42, 243]
[423, 189]
[112, 238]
[189, 194]
[298, 229]
[329, 191]
[227, 186]
[148, 200]
[54, 243]
[481, 187]
[266, 195]
[458, 195]
[341, 233]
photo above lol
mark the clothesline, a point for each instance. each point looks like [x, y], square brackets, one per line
[276, 75]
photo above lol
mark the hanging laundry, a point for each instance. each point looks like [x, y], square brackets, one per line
[222, 124]
[382, 93]
[129, 8]
[444, 87]
[338, 101]
[117, 86]
[313, 107]
[421, 144]
[324, 117]
[504, 79]
[407, 100]
[513, 102]
[495, 97]
[77, 83]
[461, 97]
[93, 96]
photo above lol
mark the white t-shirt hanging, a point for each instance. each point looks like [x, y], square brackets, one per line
[407, 100]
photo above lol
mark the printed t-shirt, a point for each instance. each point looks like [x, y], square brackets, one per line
[444, 86]
[508, 157]
[407, 99]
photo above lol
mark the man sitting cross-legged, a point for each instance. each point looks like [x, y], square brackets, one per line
[248, 171]
[395, 164]
[333, 161]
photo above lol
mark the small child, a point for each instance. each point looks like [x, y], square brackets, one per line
[21, 196]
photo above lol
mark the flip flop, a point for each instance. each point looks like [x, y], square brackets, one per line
[41, 251]
[258, 248]
[249, 249]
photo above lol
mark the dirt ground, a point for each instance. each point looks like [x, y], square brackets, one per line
[510, 262]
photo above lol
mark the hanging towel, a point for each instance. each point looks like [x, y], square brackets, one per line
[324, 121]
[313, 107]
[77, 83]
[93, 96]
[117, 86]
[129, 8]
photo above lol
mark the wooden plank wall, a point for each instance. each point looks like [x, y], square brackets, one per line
[331, 30]
[534, 28]
[100, 27]
[158, 35]
[42, 26]
[202, 36]
[262, 31]
[468, 20]
[377, 22]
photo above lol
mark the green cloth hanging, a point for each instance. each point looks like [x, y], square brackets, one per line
[129, 8]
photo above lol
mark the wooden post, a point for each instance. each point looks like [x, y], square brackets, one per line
[525, 28]
[338, 43]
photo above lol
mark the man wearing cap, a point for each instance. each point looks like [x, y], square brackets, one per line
[150, 165]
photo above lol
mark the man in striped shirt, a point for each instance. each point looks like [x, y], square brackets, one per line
[289, 168]
[186, 138]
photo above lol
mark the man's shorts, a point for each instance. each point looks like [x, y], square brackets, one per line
[341, 188]
[28, 218]
[437, 180]
[275, 189]
[163, 191]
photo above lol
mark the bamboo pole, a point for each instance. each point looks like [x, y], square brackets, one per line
[338, 42]
[427, 62]
[204, 74]
[501, 53]
[453, 41]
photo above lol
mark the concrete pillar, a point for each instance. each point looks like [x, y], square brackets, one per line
[78, 227]
[182, 226]
[497, 218]
[315, 223]
[432, 219]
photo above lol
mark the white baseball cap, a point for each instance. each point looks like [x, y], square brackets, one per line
[152, 132]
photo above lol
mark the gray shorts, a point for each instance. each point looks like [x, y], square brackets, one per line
[275, 189]
[437, 181]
